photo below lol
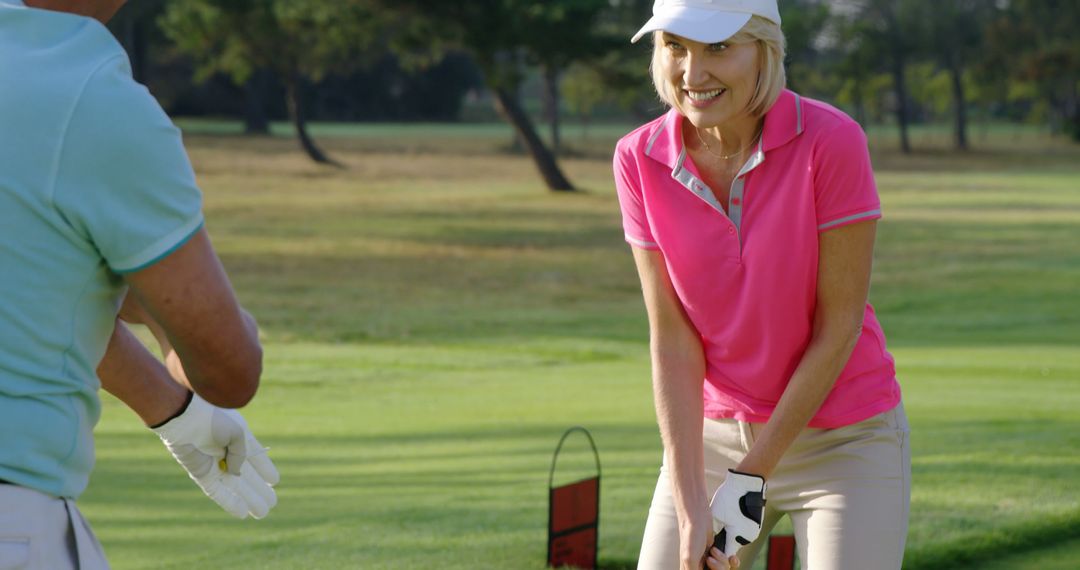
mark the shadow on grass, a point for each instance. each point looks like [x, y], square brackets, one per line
[484, 480]
[553, 270]
[616, 564]
[968, 553]
[443, 461]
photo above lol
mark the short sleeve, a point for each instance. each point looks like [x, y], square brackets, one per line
[123, 180]
[628, 186]
[844, 188]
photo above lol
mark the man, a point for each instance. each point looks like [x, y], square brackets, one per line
[100, 216]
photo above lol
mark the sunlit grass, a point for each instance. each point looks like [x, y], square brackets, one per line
[434, 320]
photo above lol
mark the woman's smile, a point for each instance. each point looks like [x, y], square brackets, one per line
[703, 98]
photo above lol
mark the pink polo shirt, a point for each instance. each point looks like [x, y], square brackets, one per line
[748, 279]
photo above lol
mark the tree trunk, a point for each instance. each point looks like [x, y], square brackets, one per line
[551, 102]
[255, 91]
[859, 101]
[1056, 116]
[299, 119]
[984, 121]
[508, 106]
[900, 91]
[1073, 109]
[959, 102]
[899, 84]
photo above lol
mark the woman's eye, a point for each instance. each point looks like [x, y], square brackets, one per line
[674, 46]
[718, 47]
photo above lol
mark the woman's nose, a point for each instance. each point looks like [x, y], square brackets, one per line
[694, 72]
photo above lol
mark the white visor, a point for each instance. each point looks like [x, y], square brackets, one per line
[705, 26]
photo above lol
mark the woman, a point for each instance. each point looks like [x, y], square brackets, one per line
[751, 214]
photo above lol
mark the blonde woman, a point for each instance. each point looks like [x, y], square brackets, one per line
[751, 213]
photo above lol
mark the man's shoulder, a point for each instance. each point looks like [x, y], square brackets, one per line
[49, 57]
[56, 41]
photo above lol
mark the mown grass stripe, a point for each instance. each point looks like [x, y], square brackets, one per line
[986, 546]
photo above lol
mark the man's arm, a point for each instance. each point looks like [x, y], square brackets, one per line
[211, 349]
[190, 306]
[129, 372]
[199, 435]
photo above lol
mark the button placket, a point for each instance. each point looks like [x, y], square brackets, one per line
[703, 191]
[735, 199]
[695, 185]
[736, 196]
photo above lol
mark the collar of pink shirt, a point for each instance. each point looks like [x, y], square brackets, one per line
[783, 122]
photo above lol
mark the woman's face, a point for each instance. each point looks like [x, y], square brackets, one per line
[711, 84]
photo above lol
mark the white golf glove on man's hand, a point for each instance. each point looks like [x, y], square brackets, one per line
[222, 456]
[737, 509]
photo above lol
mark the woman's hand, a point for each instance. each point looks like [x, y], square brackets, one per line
[717, 561]
[695, 536]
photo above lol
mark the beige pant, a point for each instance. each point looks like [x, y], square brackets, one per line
[42, 532]
[847, 491]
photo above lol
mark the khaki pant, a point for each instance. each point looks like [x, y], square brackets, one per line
[42, 532]
[847, 491]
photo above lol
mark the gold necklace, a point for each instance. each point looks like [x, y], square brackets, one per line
[708, 148]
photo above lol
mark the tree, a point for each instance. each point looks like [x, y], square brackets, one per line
[566, 33]
[622, 67]
[583, 89]
[881, 35]
[857, 64]
[134, 28]
[298, 40]
[895, 31]
[256, 89]
[931, 90]
[804, 21]
[1036, 41]
[955, 37]
[504, 35]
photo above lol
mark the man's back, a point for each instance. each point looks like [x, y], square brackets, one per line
[93, 183]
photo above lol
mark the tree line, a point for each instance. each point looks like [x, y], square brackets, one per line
[896, 61]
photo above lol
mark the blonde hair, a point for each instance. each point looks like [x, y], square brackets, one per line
[771, 75]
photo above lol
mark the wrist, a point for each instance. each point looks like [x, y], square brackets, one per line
[693, 512]
[188, 395]
[689, 493]
[756, 463]
[757, 474]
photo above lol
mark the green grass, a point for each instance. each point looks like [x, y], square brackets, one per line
[573, 131]
[997, 135]
[1061, 557]
[434, 320]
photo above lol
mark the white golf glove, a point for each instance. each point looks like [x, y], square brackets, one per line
[222, 456]
[737, 509]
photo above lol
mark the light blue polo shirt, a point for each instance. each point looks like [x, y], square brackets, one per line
[94, 183]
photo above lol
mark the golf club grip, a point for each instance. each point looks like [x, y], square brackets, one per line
[720, 539]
